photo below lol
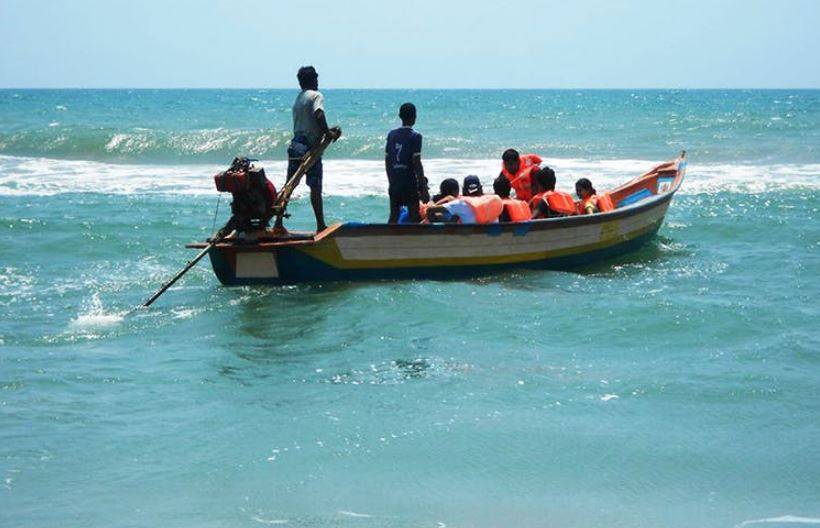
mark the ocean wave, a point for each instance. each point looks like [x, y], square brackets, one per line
[144, 145]
[24, 176]
[210, 145]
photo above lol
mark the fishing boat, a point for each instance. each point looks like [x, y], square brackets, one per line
[354, 251]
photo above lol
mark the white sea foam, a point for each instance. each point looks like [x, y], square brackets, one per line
[43, 176]
[783, 519]
[354, 514]
[269, 521]
[95, 317]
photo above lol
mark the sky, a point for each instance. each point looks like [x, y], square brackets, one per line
[411, 43]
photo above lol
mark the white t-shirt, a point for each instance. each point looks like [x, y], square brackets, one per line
[462, 210]
[304, 115]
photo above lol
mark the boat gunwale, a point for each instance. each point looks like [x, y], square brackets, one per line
[356, 229]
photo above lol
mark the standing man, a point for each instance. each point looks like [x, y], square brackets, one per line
[402, 161]
[309, 125]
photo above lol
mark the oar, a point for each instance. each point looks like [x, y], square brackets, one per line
[184, 270]
[282, 199]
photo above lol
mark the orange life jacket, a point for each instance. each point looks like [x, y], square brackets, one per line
[486, 208]
[582, 205]
[521, 181]
[517, 210]
[560, 202]
[605, 203]
[602, 203]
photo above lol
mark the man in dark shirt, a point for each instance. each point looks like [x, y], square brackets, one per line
[402, 161]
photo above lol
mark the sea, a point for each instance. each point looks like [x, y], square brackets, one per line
[677, 386]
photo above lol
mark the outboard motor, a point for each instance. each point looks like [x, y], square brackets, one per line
[253, 195]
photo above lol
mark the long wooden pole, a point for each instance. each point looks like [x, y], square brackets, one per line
[282, 199]
[183, 271]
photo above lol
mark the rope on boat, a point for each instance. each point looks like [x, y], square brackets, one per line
[218, 201]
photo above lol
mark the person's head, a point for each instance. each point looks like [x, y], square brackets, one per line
[502, 187]
[544, 179]
[308, 78]
[472, 186]
[512, 160]
[407, 113]
[448, 187]
[584, 188]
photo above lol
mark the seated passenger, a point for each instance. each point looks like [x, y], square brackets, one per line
[588, 196]
[483, 209]
[518, 170]
[448, 190]
[514, 210]
[472, 186]
[548, 202]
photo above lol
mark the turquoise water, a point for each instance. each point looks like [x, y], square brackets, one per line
[674, 387]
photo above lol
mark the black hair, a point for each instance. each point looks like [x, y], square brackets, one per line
[502, 187]
[407, 112]
[510, 155]
[308, 78]
[545, 178]
[584, 183]
[448, 187]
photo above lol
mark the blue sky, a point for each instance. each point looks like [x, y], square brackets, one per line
[411, 44]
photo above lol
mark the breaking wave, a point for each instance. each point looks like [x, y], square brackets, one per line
[25, 176]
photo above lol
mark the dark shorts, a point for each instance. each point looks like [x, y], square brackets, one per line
[299, 146]
[403, 188]
[403, 194]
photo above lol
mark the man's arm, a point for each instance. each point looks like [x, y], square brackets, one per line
[445, 199]
[541, 210]
[421, 181]
[334, 132]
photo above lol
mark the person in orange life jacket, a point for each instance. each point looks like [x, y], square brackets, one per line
[518, 170]
[548, 202]
[589, 199]
[514, 210]
[405, 173]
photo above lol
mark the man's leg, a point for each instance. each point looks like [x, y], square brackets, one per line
[314, 180]
[394, 209]
[413, 209]
[318, 208]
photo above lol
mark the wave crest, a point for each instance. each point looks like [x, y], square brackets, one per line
[354, 177]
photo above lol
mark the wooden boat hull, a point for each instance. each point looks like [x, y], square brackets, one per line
[356, 252]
